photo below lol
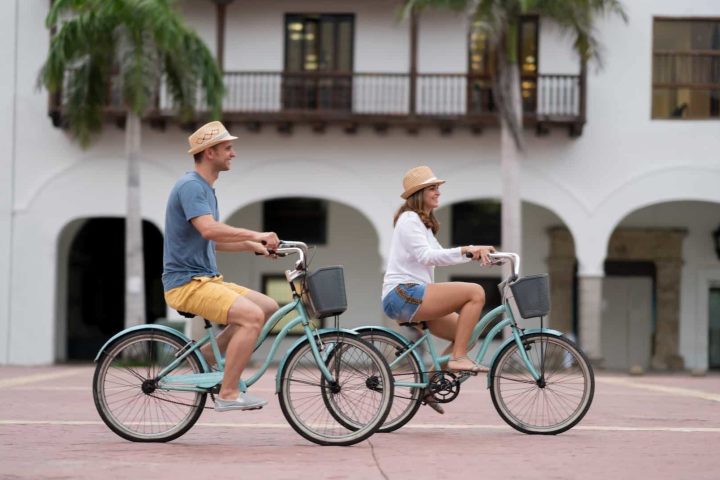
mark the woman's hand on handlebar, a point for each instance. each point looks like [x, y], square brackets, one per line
[479, 253]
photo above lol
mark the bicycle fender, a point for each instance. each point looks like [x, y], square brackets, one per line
[297, 344]
[549, 331]
[397, 336]
[151, 326]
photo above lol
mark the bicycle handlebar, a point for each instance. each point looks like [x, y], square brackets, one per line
[288, 247]
[499, 258]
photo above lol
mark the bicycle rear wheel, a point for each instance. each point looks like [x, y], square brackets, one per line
[128, 398]
[343, 412]
[553, 404]
[407, 400]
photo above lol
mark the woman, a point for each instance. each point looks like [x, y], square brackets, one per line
[451, 309]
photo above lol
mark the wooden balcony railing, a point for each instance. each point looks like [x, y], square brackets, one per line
[384, 99]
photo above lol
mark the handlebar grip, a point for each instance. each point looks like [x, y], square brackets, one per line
[468, 254]
[272, 252]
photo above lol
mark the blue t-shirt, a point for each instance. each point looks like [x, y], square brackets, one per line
[186, 254]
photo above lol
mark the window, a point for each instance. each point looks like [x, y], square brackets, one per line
[299, 219]
[492, 296]
[482, 66]
[318, 62]
[277, 288]
[686, 68]
[476, 223]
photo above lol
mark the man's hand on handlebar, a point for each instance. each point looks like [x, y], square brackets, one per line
[261, 249]
[269, 239]
[480, 253]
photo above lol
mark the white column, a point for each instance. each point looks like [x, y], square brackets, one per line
[8, 92]
[590, 311]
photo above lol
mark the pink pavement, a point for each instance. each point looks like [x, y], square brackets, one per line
[653, 426]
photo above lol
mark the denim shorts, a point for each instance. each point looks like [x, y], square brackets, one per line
[403, 301]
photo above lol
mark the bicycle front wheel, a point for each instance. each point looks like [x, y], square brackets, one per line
[342, 412]
[553, 404]
[127, 396]
[407, 400]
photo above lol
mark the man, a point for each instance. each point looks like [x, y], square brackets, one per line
[191, 279]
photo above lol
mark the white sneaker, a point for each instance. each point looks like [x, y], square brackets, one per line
[244, 401]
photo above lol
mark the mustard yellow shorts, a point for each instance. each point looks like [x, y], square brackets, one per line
[208, 297]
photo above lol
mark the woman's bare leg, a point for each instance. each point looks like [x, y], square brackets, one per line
[443, 299]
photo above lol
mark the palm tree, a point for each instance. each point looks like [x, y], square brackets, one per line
[135, 46]
[499, 19]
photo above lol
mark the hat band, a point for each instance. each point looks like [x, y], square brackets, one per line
[214, 139]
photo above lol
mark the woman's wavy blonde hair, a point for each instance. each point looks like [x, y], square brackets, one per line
[414, 203]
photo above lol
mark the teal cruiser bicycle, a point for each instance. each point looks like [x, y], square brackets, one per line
[540, 382]
[151, 382]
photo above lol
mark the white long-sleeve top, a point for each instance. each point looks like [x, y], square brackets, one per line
[414, 254]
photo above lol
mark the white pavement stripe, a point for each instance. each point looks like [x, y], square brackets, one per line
[422, 426]
[88, 388]
[38, 377]
[682, 392]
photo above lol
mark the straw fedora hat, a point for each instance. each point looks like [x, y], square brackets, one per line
[418, 178]
[208, 135]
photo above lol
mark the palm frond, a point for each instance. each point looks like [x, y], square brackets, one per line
[86, 96]
[137, 43]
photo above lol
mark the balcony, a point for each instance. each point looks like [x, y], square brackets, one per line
[379, 100]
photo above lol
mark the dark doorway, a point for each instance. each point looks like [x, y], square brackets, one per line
[714, 329]
[96, 279]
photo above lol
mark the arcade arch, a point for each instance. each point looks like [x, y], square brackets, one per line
[90, 283]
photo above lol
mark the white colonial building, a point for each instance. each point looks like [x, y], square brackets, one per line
[333, 101]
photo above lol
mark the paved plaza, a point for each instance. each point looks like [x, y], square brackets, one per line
[653, 426]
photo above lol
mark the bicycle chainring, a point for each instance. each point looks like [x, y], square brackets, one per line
[444, 387]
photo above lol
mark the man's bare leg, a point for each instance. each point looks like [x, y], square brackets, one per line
[247, 319]
[268, 307]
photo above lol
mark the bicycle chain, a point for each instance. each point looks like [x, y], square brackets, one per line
[212, 397]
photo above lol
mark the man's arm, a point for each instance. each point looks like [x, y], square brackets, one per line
[221, 233]
[246, 246]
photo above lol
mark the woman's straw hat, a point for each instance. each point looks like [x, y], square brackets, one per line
[417, 179]
[208, 135]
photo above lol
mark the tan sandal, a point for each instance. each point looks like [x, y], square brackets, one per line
[473, 367]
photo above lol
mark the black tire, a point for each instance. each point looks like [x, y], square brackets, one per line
[407, 400]
[158, 415]
[347, 412]
[550, 408]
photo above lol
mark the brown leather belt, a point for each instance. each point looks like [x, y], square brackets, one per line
[407, 297]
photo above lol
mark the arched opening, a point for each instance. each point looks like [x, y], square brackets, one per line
[92, 279]
[547, 247]
[661, 287]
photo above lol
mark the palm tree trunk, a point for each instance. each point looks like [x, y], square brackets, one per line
[507, 92]
[511, 216]
[134, 264]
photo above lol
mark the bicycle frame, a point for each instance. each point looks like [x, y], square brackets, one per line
[437, 360]
[200, 382]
